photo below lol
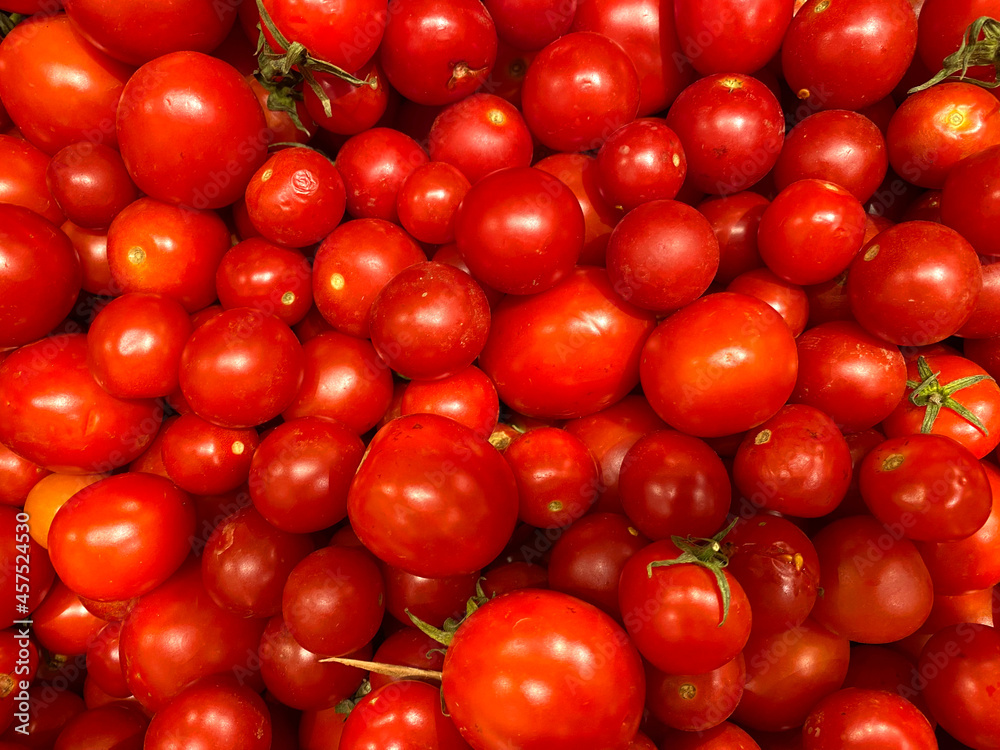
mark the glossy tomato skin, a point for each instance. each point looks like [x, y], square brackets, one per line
[694, 383]
[90, 183]
[725, 736]
[273, 279]
[735, 219]
[942, 28]
[62, 624]
[407, 709]
[201, 155]
[695, 703]
[17, 477]
[56, 415]
[206, 459]
[531, 24]
[468, 396]
[428, 199]
[789, 300]
[427, 466]
[641, 161]
[593, 698]
[41, 276]
[40, 576]
[538, 375]
[432, 600]
[23, 180]
[970, 197]
[731, 37]
[858, 719]
[374, 165]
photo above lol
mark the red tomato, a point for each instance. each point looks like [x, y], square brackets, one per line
[354, 109]
[726, 36]
[942, 27]
[205, 459]
[531, 24]
[468, 396]
[697, 702]
[857, 719]
[374, 165]
[407, 709]
[62, 624]
[789, 300]
[725, 736]
[428, 199]
[22, 178]
[970, 198]
[16, 538]
[735, 220]
[90, 183]
[640, 162]
[17, 477]
[276, 280]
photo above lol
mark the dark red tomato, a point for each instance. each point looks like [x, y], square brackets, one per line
[217, 713]
[973, 562]
[969, 201]
[834, 54]
[513, 240]
[732, 131]
[343, 35]
[672, 484]
[726, 36]
[276, 280]
[321, 730]
[647, 34]
[90, 183]
[62, 624]
[480, 134]
[60, 418]
[961, 664]
[205, 459]
[91, 247]
[837, 146]
[104, 661]
[300, 474]
[163, 249]
[438, 51]
[735, 220]
[579, 173]
[201, 155]
[776, 565]
[858, 719]
[531, 24]
[695, 703]
[353, 109]
[662, 256]
[134, 345]
[92, 525]
[985, 319]
[241, 368]
[876, 588]
[343, 378]
[914, 284]
[40, 277]
[404, 709]
[430, 321]
[17, 477]
[789, 300]
[676, 615]
[788, 671]
[972, 606]
[374, 165]
[433, 468]
[296, 198]
[566, 352]
[507, 76]
[56, 87]
[104, 728]
[566, 116]
[796, 463]
[432, 600]
[407, 647]
[468, 396]
[514, 576]
[811, 231]
[641, 161]
[697, 382]
[428, 199]
[939, 376]
[47, 717]
[22, 181]
[928, 485]
[854, 377]
[587, 679]
[351, 267]
[725, 736]
[882, 668]
[942, 27]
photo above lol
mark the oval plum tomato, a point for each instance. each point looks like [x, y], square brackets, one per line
[520, 230]
[641, 161]
[789, 300]
[426, 467]
[721, 365]
[685, 614]
[162, 249]
[40, 575]
[343, 34]
[136, 33]
[672, 484]
[914, 284]
[970, 199]
[202, 154]
[18, 476]
[296, 198]
[352, 265]
[732, 130]
[134, 345]
[531, 24]
[90, 183]
[726, 36]
[875, 587]
[566, 116]
[480, 134]
[948, 395]
[695, 703]
[401, 709]
[811, 231]
[857, 719]
[662, 256]
[854, 377]
[586, 678]
[838, 146]
[539, 375]
[205, 459]
[40, 277]
[438, 51]
[56, 87]
[22, 181]
[92, 525]
[735, 220]
[796, 463]
[929, 485]
[834, 54]
[468, 396]
[57, 416]
[430, 321]
[272, 279]
[354, 109]
[428, 199]
[374, 165]
[961, 664]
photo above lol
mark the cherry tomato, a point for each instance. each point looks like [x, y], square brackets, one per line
[969, 200]
[641, 161]
[857, 719]
[735, 220]
[374, 165]
[428, 199]
[17, 477]
[90, 183]
[22, 181]
[407, 709]
[789, 300]
[468, 396]
[698, 702]
[731, 37]
[276, 280]
[531, 24]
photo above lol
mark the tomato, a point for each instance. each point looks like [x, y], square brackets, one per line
[432, 600]
[697, 382]
[273, 279]
[942, 27]
[18, 477]
[969, 199]
[586, 679]
[48, 496]
[857, 719]
[468, 396]
[725, 736]
[201, 155]
[62, 624]
[698, 702]
[374, 165]
[90, 183]
[428, 199]
[789, 300]
[531, 24]
[104, 661]
[20, 586]
[735, 220]
[641, 161]
[882, 668]
[22, 179]
[406, 647]
[106, 726]
[407, 709]
[730, 37]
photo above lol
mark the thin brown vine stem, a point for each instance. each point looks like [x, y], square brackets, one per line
[390, 670]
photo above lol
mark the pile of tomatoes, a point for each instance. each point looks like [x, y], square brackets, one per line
[499, 374]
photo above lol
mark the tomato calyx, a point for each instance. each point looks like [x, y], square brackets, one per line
[347, 705]
[282, 73]
[705, 553]
[972, 52]
[929, 392]
[8, 21]
[445, 635]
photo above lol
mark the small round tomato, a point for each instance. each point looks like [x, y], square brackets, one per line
[406, 708]
[695, 703]
[789, 300]
[17, 477]
[970, 197]
[857, 719]
[641, 161]
[428, 199]
[735, 220]
[468, 396]
[90, 183]
[353, 109]
[374, 164]
[347, 38]
[24, 178]
[275, 280]
[205, 459]
[732, 36]
[432, 600]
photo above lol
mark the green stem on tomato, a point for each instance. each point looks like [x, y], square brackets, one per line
[972, 52]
